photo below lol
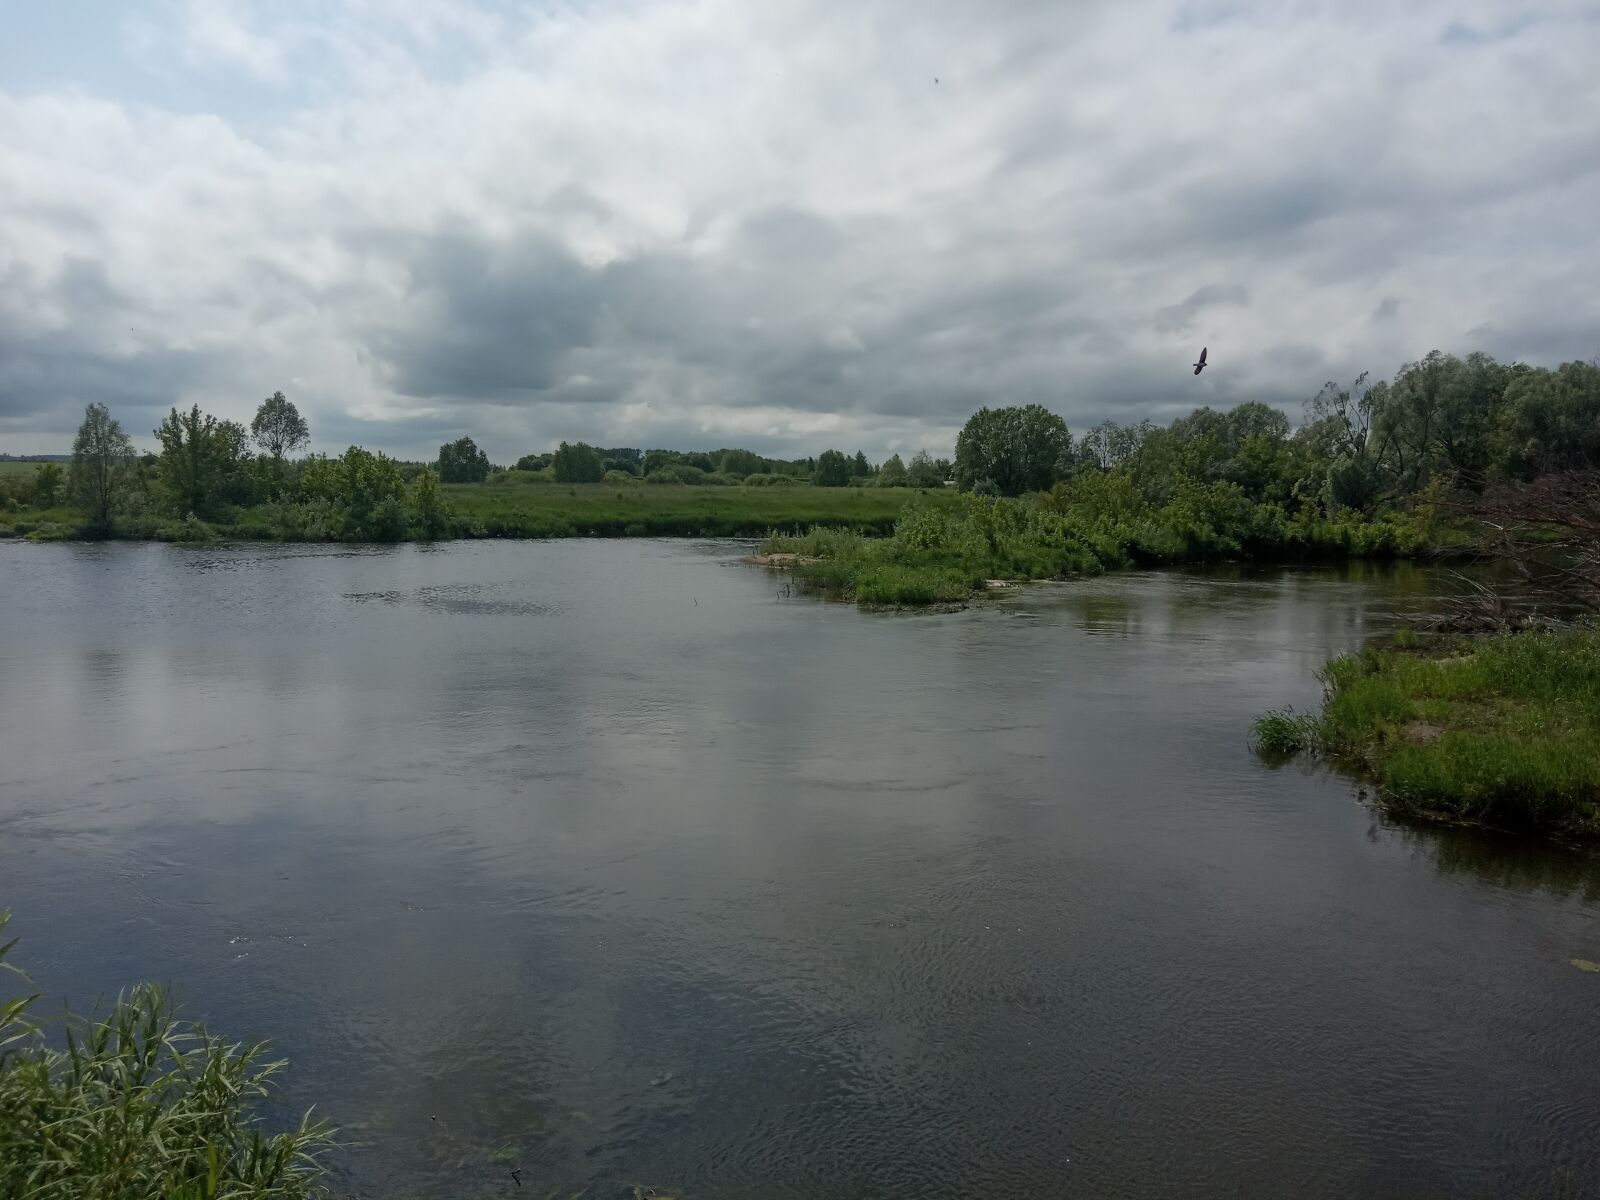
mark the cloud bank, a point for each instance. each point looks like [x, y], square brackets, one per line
[788, 226]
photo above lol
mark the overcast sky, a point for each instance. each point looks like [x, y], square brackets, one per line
[723, 222]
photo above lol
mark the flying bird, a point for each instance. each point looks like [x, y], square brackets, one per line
[1201, 365]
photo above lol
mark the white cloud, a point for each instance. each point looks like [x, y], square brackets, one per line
[710, 222]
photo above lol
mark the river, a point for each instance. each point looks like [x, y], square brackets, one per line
[618, 862]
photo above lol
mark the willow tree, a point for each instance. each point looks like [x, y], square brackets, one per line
[101, 454]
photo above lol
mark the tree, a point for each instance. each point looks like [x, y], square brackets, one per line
[365, 490]
[47, 481]
[198, 453]
[1552, 420]
[1347, 427]
[892, 473]
[430, 513]
[461, 461]
[832, 470]
[741, 463]
[1415, 413]
[578, 462]
[1254, 419]
[101, 454]
[278, 428]
[1016, 449]
[1108, 444]
[860, 468]
[922, 473]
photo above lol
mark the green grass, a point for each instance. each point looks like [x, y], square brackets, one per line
[60, 523]
[515, 509]
[1283, 732]
[1502, 730]
[8, 467]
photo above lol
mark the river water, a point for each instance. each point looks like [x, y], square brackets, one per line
[617, 863]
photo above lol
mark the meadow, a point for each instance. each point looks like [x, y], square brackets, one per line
[508, 507]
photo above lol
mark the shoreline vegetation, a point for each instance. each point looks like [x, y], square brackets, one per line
[1492, 716]
[1500, 730]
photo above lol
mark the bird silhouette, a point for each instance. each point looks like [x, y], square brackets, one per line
[1201, 365]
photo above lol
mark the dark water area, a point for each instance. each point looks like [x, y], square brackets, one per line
[631, 869]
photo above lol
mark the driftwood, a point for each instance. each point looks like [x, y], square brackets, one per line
[1545, 535]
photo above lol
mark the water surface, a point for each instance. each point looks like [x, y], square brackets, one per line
[614, 862]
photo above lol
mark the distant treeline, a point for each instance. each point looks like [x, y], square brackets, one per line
[1442, 423]
[580, 462]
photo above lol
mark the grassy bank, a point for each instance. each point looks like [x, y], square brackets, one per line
[1502, 730]
[943, 552]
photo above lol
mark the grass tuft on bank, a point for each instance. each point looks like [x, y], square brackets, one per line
[1502, 730]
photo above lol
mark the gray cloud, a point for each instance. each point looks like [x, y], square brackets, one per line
[1180, 318]
[713, 223]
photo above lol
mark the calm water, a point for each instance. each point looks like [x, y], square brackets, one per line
[630, 869]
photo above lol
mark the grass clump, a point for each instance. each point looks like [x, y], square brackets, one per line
[141, 1105]
[1501, 730]
[1283, 732]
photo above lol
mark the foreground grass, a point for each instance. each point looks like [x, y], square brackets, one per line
[1502, 730]
[140, 1105]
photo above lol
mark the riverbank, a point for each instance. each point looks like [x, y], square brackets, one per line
[948, 552]
[1502, 730]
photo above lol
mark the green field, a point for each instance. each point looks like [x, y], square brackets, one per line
[23, 468]
[515, 509]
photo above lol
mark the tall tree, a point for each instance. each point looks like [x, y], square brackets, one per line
[461, 461]
[197, 453]
[892, 473]
[860, 468]
[1552, 420]
[1016, 449]
[1349, 427]
[578, 462]
[832, 470]
[1418, 402]
[922, 473]
[47, 485]
[101, 454]
[278, 428]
